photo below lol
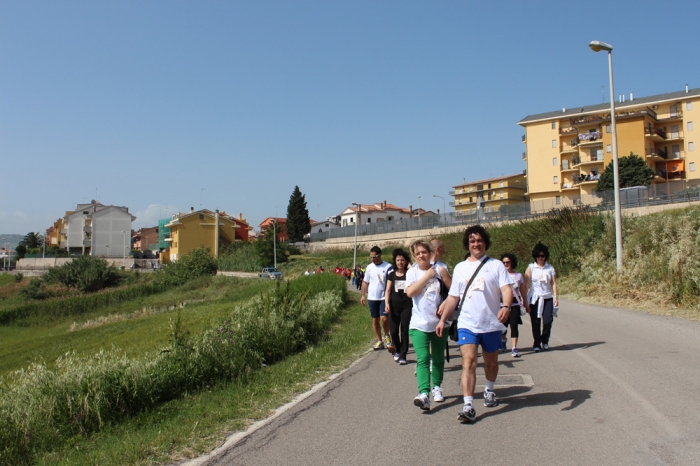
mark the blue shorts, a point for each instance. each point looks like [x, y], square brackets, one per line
[489, 342]
[376, 308]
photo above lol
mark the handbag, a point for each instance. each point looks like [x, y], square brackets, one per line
[453, 333]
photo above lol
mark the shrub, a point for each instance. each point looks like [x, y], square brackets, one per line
[34, 290]
[240, 257]
[19, 277]
[197, 263]
[85, 273]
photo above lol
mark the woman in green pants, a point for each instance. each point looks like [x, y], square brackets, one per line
[423, 286]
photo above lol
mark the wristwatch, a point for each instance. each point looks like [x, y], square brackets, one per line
[508, 307]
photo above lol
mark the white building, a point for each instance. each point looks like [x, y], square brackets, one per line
[98, 230]
[373, 213]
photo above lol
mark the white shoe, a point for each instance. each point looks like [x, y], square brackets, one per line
[396, 357]
[422, 401]
[437, 394]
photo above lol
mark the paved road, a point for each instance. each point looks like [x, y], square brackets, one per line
[619, 388]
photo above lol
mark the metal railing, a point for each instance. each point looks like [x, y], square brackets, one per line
[670, 192]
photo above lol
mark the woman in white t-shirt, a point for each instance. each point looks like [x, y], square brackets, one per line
[541, 280]
[423, 287]
[519, 306]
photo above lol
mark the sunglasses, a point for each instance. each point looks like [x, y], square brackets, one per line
[541, 256]
[506, 262]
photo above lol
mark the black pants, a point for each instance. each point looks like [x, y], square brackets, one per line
[542, 327]
[399, 318]
[513, 320]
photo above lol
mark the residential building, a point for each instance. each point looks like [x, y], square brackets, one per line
[373, 213]
[244, 230]
[145, 239]
[326, 225]
[566, 150]
[202, 229]
[489, 195]
[280, 225]
[95, 229]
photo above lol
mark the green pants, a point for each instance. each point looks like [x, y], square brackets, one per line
[422, 343]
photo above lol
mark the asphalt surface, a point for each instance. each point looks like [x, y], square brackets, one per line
[618, 387]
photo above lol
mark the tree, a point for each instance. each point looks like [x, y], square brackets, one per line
[633, 171]
[264, 247]
[298, 222]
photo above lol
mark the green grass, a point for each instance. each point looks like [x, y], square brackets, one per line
[197, 423]
[21, 345]
[6, 278]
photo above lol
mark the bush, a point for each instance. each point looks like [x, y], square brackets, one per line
[240, 257]
[19, 277]
[197, 263]
[85, 273]
[34, 290]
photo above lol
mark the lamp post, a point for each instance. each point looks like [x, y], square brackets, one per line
[124, 250]
[598, 46]
[444, 208]
[354, 254]
[274, 240]
[420, 221]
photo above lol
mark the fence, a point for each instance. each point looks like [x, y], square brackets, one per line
[671, 192]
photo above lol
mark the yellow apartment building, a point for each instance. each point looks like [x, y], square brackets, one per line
[489, 194]
[200, 229]
[568, 148]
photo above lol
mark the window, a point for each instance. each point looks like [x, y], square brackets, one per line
[555, 180]
[691, 166]
[674, 131]
[689, 105]
[554, 143]
[674, 110]
[555, 162]
[690, 126]
[608, 148]
[471, 199]
[369, 220]
[554, 124]
[557, 200]
[489, 185]
[676, 151]
[390, 218]
[503, 194]
[607, 129]
[691, 147]
[503, 183]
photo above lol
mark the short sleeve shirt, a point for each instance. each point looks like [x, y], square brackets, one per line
[375, 276]
[483, 300]
[425, 303]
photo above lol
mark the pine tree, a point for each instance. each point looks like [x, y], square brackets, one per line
[633, 171]
[298, 222]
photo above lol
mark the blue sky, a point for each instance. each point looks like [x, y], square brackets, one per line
[165, 105]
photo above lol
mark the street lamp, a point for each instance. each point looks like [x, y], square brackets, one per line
[598, 46]
[444, 208]
[420, 222]
[274, 240]
[354, 254]
[124, 250]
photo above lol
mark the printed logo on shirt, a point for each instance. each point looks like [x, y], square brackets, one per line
[477, 285]
[400, 286]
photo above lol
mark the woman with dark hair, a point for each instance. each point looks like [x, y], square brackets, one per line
[398, 305]
[519, 306]
[541, 280]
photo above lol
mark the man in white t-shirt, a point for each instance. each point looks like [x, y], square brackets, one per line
[482, 316]
[373, 288]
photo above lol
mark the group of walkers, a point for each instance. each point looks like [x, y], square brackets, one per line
[416, 296]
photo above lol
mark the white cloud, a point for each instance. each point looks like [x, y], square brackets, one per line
[149, 216]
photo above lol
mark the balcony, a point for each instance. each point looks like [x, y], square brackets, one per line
[590, 139]
[87, 243]
[524, 155]
[587, 160]
[569, 148]
[586, 120]
[655, 134]
[656, 155]
[524, 138]
[87, 229]
[671, 115]
[451, 192]
[567, 165]
[569, 130]
[674, 135]
[569, 186]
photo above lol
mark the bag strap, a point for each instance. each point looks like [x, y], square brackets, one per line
[476, 272]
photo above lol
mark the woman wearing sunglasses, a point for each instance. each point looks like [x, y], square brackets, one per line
[519, 306]
[541, 281]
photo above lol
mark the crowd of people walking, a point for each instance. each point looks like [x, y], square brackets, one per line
[415, 297]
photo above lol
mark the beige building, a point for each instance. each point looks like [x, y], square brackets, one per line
[487, 196]
[567, 149]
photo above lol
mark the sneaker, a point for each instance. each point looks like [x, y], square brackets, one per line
[422, 401]
[545, 347]
[391, 348]
[536, 349]
[437, 394]
[396, 357]
[504, 347]
[402, 362]
[490, 399]
[378, 346]
[467, 414]
[387, 340]
[515, 353]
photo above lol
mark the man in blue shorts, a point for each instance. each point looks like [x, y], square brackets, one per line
[481, 319]
[374, 287]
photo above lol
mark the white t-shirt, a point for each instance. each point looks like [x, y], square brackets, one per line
[375, 276]
[426, 303]
[541, 281]
[483, 300]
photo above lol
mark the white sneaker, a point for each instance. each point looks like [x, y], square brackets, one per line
[396, 357]
[422, 401]
[437, 394]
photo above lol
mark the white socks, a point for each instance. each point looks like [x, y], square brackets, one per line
[489, 385]
[469, 400]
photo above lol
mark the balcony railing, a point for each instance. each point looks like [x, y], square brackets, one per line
[670, 115]
[655, 152]
[524, 155]
[524, 138]
[584, 159]
[451, 192]
[568, 130]
[655, 133]
[571, 147]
